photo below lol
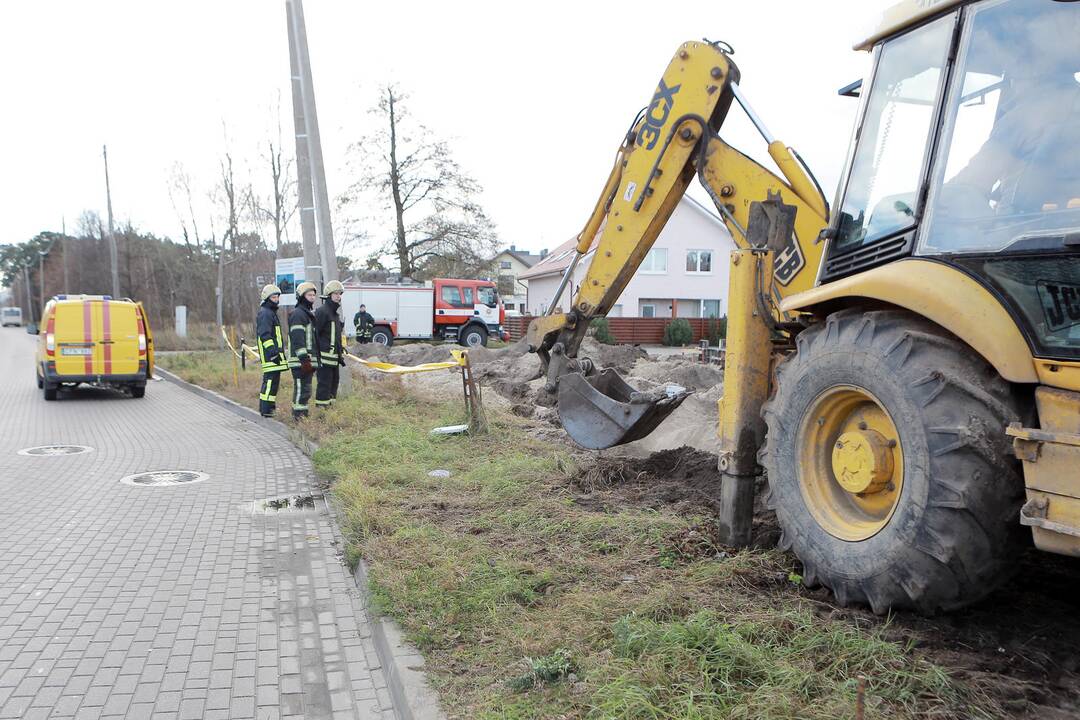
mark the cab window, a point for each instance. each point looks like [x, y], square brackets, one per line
[886, 171]
[451, 295]
[468, 297]
[1007, 173]
[487, 296]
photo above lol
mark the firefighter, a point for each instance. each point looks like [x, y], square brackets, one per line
[364, 324]
[304, 345]
[272, 356]
[328, 330]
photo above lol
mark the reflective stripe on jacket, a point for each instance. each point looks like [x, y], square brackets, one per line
[328, 329]
[303, 336]
[272, 355]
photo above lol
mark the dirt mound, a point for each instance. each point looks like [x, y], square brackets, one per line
[685, 480]
[691, 375]
[620, 357]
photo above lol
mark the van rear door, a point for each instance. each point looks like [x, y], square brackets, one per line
[96, 337]
[75, 342]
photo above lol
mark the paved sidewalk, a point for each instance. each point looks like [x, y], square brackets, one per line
[167, 602]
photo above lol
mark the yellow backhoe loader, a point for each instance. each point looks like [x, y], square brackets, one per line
[905, 366]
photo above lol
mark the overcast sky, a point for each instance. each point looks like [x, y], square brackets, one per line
[534, 97]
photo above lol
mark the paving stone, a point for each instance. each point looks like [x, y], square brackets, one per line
[121, 601]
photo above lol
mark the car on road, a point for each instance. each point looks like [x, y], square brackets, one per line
[94, 339]
[11, 316]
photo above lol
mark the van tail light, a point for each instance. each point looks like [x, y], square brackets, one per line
[142, 336]
[50, 336]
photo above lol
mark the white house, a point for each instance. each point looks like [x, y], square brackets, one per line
[508, 266]
[685, 273]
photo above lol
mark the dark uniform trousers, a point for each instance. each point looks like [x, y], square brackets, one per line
[271, 358]
[303, 341]
[328, 329]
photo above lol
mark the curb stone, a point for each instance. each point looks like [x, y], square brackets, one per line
[403, 665]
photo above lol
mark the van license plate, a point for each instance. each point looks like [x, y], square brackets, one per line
[76, 351]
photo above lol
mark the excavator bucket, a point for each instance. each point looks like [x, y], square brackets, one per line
[602, 410]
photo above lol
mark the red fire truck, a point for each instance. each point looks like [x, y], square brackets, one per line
[467, 311]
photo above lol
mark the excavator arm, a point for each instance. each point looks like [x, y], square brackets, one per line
[675, 138]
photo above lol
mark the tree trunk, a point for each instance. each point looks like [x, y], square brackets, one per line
[404, 261]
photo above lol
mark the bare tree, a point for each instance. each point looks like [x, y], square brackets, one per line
[429, 199]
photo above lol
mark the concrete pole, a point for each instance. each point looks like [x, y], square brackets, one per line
[41, 279]
[63, 251]
[112, 238]
[29, 297]
[312, 263]
[311, 124]
[305, 88]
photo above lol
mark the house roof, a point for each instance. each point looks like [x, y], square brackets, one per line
[559, 259]
[525, 258]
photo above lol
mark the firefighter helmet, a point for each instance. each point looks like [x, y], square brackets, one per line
[269, 291]
[303, 287]
[333, 287]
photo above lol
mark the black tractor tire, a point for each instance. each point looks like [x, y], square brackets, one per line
[49, 390]
[138, 391]
[382, 335]
[473, 336]
[954, 535]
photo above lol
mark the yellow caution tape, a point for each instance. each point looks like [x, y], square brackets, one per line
[243, 346]
[390, 368]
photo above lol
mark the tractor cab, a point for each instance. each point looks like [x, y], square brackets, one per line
[967, 151]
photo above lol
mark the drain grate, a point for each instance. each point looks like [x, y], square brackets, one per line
[165, 478]
[288, 504]
[54, 450]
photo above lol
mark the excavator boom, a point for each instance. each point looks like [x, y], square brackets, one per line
[674, 139]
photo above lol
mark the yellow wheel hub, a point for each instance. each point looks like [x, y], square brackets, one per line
[852, 465]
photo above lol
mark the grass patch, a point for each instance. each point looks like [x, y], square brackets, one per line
[529, 603]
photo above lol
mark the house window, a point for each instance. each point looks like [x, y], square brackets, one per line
[648, 311]
[504, 265]
[710, 308]
[506, 285]
[699, 261]
[655, 261]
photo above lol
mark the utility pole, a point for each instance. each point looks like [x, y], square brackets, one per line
[112, 238]
[63, 251]
[309, 150]
[41, 278]
[314, 144]
[312, 264]
[29, 297]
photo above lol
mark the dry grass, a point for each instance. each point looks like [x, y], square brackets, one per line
[531, 601]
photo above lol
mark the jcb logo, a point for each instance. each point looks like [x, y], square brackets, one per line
[1061, 304]
[788, 262]
[657, 115]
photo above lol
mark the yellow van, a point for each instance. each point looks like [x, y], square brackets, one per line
[94, 339]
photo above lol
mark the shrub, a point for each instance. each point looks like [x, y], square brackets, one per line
[678, 332]
[602, 331]
[716, 329]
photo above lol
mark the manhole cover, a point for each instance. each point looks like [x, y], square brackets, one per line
[54, 450]
[165, 478]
